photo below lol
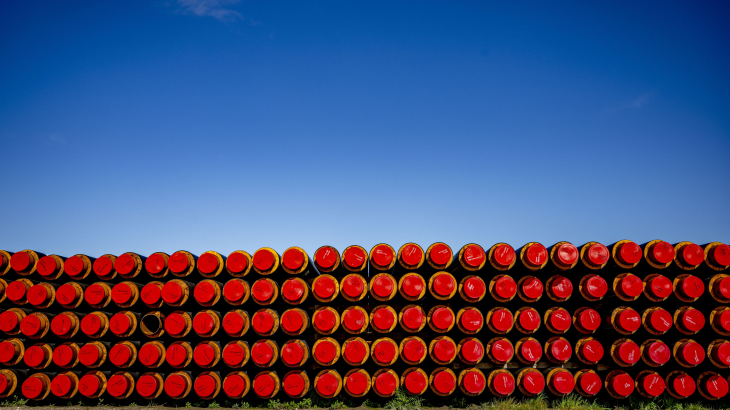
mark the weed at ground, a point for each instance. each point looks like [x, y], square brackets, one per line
[402, 401]
[534, 403]
[15, 401]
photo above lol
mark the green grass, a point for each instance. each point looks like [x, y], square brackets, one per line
[14, 402]
[534, 403]
[402, 401]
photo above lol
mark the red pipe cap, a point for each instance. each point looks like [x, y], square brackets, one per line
[716, 387]
[560, 320]
[175, 385]
[47, 266]
[442, 318]
[208, 263]
[293, 384]
[382, 256]
[261, 353]
[383, 286]
[146, 386]
[203, 355]
[503, 383]
[444, 350]
[354, 257]
[501, 320]
[413, 285]
[440, 254]
[598, 254]
[233, 290]
[629, 352]
[622, 384]
[31, 326]
[172, 293]
[355, 351]
[121, 293]
[444, 382]
[660, 287]
[175, 324]
[119, 324]
[660, 320]
[263, 259]
[653, 385]
[61, 385]
[561, 287]
[66, 295]
[662, 252]
[693, 320]
[505, 287]
[15, 290]
[324, 287]
[385, 383]
[589, 319]
[233, 354]
[592, 351]
[117, 385]
[89, 355]
[155, 263]
[563, 382]
[325, 257]
[262, 322]
[357, 383]
[353, 286]
[532, 288]
[176, 355]
[203, 323]
[149, 355]
[383, 319]
[415, 382]
[7, 352]
[629, 320]
[684, 385]
[567, 254]
[95, 294]
[102, 266]
[474, 256]
[263, 385]
[38, 295]
[472, 351]
[292, 259]
[32, 386]
[630, 253]
[475, 288]
[324, 320]
[693, 254]
[659, 353]
[444, 284]
[590, 383]
[20, 261]
[722, 353]
[502, 351]
[529, 319]
[204, 292]
[327, 384]
[536, 254]
[385, 351]
[721, 253]
[724, 287]
[561, 350]
[533, 382]
[151, 294]
[178, 262]
[204, 385]
[124, 264]
[34, 356]
[292, 290]
[9, 321]
[353, 319]
[412, 255]
[63, 355]
[503, 255]
[693, 287]
[632, 286]
[413, 318]
[414, 350]
[74, 265]
[531, 351]
[291, 321]
[325, 352]
[234, 385]
[724, 320]
[236, 262]
[262, 290]
[472, 320]
[693, 353]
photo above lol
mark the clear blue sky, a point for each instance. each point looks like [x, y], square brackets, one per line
[221, 124]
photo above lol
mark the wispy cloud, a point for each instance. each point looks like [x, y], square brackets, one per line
[55, 139]
[218, 9]
[633, 104]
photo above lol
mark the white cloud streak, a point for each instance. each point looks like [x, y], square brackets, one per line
[218, 9]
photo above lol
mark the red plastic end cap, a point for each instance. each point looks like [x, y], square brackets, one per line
[385, 383]
[233, 322]
[172, 293]
[693, 353]
[653, 385]
[325, 257]
[532, 288]
[263, 260]
[536, 254]
[34, 356]
[204, 385]
[31, 326]
[262, 290]
[503, 255]
[724, 288]
[20, 261]
[413, 318]
[531, 351]
[629, 253]
[3, 380]
[721, 254]
[382, 256]
[89, 385]
[155, 263]
[63, 355]
[472, 320]
[561, 350]
[693, 287]
[178, 262]
[592, 351]
[7, 352]
[32, 386]
[684, 385]
[413, 285]
[355, 351]
[444, 350]
[89, 355]
[324, 320]
[444, 284]
[95, 294]
[415, 382]
[622, 384]
[74, 266]
[693, 320]
[117, 385]
[475, 288]
[149, 355]
[208, 263]
[444, 382]
[563, 382]
[722, 353]
[567, 254]
[384, 351]
[631, 286]
[124, 264]
[203, 355]
[503, 383]
[262, 322]
[414, 350]
[662, 252]
[629, 320]
[327, 384]
[442, 318]
[505, 287]
[693, 254]
[61, 385]
[412, 255]
[234, 385]
[659, 353]
[121, 293]
[502, 351]
[590, 383]
[529, 319]
[234, 290]
[533, 382]
[440, 254]
[147, 386]
[629, 352]
[292, 259]
[175, 385]
[261, 353]
[291, 321]
[15, 291]
[562, 287]
[353, 319]
[151, 294]
[47, 266]
[472, 351]
[66, 295]
[236, 262]
[660, 320]
[660, 287]
[474, 256]
[175, 324]
[383, 319]
[324, 287]
[716, 386]
[598, 254]
[354, 257]
[724, 320]
[325, 352]
[353, 286]
[383, 286]
[501, 320]
[357, 383]
[203, 323]
[263, 385]
[38, 295]
[119, 324]
[589, 320]
[560, 320]
[204, 292]
[293, 384]
[9, 321]
[233, 354]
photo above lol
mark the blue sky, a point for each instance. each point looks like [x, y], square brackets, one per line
[221, 124]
